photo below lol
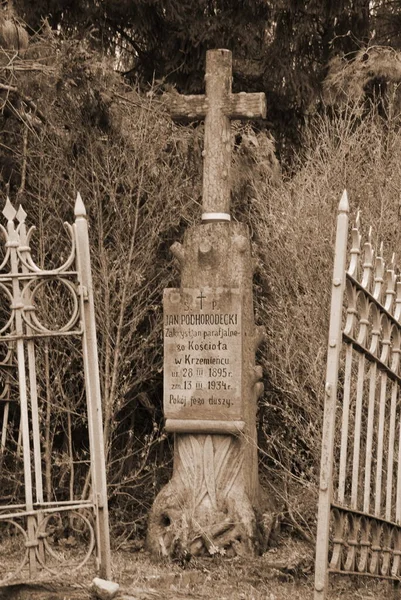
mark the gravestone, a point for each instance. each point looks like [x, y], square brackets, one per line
[211, 382]
[203, 359]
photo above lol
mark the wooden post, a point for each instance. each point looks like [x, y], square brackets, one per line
[211, 382]
[92, 384]
[217, 107]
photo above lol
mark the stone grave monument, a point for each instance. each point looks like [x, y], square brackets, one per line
[211, 382]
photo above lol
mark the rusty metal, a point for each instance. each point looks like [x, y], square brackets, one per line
[359, 520]
[33, 525]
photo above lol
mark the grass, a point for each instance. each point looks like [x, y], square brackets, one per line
[282, 573]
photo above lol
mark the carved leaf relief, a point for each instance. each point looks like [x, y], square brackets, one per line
[208, 456]
[210, 468]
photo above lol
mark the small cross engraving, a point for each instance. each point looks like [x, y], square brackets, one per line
[201, 298]
[217, 107]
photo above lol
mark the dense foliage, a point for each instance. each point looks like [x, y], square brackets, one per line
[70, 122]
[280, 47]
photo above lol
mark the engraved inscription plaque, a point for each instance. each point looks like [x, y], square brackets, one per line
[202, 354]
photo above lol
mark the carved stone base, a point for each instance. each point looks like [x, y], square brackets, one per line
[204, 509]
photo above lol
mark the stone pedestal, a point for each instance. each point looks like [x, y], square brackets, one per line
[211, 388]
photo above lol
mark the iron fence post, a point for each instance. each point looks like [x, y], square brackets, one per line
[92, 383]
[13, 243]
[333, 357]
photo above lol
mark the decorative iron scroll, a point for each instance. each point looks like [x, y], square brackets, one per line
[40, 309]
[365, 545]
[359, 521]
[51, 549]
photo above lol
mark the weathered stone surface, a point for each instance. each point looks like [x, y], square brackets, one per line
[217, 107]
[209, 505]
[211, 380]
[203, 354]
[103, 589]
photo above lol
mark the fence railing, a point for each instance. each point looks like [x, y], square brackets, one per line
[53, 496]
[359, 523]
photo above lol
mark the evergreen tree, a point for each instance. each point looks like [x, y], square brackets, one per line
[280, 47]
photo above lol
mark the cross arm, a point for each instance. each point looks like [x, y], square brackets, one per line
[246, 106]
[187, 108]
[237, 106]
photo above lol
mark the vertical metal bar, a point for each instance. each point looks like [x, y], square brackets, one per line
[357, 431]
[47, 440]
[369, 437]
[19, 439]
[24, 251]
[366, 284]
[352, 296]
[7, 392]
[397, 316]
[92, 384]
[390, 455]
[37, 456]
[386, 341]
[377, 293]
[33, 392]
[393, 293]
[333, 357]
[362, 336]
[376, 329]
[345, 424]
[380, 444]
[4, 433]
[364, 549]
[4, 426]
[398, 488]
[13, 243]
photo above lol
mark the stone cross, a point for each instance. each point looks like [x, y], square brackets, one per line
[217, 107]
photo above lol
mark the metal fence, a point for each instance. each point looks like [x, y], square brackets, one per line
[359, 522]
[53, 497]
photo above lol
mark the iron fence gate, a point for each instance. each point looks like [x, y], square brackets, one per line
[53, 496]
[359, 521]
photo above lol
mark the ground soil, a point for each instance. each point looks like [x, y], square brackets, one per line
[282, 573]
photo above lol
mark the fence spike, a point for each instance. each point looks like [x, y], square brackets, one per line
[397, 311]
[344, 204]
[9, 211]
[79, 209]
[353, 268]
[368, 262]
[390, 287]
[21, 214]
[379, 274]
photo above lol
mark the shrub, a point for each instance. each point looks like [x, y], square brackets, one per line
[74, 126]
